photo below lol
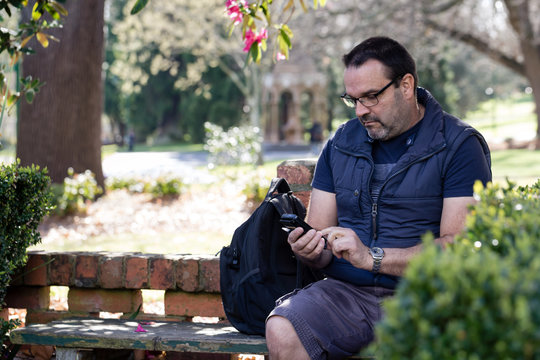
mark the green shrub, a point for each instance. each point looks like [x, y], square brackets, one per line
[164, 186]
[238, 145]
[77, 190]
[478, 298]
[160, 187]
[131, 184]
[24, 201]
[504, 218]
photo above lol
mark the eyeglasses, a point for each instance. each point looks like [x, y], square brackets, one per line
[366, 100]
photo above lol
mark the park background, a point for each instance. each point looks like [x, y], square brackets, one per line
[175, 79]
[172, 68]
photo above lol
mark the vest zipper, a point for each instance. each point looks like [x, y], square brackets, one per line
[374, 221]
[375, 205]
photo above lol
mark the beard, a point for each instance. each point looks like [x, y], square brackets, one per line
[375, 128]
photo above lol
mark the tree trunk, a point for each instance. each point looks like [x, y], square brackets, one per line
[531, 55]
[62, 127]
[519, 17]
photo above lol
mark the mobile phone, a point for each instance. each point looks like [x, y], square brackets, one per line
[292, 221]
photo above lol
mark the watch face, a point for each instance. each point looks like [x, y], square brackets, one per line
[377, 252]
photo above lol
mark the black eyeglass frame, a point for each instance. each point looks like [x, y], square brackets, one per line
[347, 99]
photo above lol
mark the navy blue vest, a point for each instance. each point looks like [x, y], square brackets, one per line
[411, 198]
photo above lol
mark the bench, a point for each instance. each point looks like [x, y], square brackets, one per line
[113, 282]
[72, 336]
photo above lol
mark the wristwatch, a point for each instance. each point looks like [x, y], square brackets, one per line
[377, 254]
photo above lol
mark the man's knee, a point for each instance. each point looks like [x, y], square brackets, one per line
[282, 339]
[278, 328]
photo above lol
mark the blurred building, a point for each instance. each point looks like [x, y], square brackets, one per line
[294, 99]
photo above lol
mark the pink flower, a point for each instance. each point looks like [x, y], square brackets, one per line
[251, 37]
[280, 56]
[140, 328]
[234, 10]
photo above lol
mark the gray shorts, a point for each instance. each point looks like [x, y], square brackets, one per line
[333, 319]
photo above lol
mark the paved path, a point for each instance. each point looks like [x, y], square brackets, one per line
[122, 164]
[190, 166]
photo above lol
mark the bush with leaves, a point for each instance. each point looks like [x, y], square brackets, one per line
[24, 199]
[72, 196]
[480, 297]
[163, 186]
[238, 145]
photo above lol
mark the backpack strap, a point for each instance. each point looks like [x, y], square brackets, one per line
[277, 205]
[278, 184]
[298, 207]
[282, 186]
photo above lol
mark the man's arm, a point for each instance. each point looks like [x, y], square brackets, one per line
[322, 209]
[346, 244]
[322, 213]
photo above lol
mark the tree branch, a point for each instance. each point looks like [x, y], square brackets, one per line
[233, 75]
[480, 46]
[435, 9]
[518, 15]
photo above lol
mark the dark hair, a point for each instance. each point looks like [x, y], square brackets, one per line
[392, 54]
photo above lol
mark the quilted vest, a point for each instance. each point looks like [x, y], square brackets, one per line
[411, 198]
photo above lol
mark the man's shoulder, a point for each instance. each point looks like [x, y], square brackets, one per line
[349, 125]
[457, 130]
[351, 129]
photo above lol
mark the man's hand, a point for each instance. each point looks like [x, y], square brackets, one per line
[346, 244]
[309, 247]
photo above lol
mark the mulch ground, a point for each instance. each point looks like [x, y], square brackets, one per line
[219, 209]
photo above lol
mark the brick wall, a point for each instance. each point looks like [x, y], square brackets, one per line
[112, 282]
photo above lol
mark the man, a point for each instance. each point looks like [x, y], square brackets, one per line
[402, 168]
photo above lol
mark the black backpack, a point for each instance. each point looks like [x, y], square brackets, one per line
[259, 266]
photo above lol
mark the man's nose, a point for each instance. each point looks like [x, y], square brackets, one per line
[361, 109]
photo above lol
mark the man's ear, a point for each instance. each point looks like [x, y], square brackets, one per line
[407, 86]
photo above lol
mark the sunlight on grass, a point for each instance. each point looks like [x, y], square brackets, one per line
[499, 120]
[519, 165]
[7, 153]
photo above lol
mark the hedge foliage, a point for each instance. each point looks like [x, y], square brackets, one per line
[24, 201]
[478, 298]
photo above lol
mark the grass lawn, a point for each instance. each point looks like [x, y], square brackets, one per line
[7, 153]
[499, 120]
[519, 165]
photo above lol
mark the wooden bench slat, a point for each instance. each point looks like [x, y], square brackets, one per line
[120, 334]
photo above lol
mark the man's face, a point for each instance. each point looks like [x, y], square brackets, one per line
[386, 119]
